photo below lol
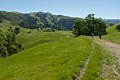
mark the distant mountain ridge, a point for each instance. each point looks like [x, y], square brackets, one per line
[44, 20]
[112, 21]
[39, 19]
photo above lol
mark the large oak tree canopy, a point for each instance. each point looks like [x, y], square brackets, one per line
[89, 25]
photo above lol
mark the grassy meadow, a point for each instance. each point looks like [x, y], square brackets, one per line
[52, 56]
[52, 61]
[113, 35]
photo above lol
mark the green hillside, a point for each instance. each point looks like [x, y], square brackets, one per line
[38, 20]
[33, 37]
[43, 20]
[55, 55]
[36, 37]
[59, 60]
[14, 18]
[52, 56]
[113, 34]
[112, 28]
[112, 21]
[5, 25]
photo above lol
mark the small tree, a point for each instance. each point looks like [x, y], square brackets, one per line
[24, 25]
[8, 43]
[0, 21]
[17, 30]
[118, 27]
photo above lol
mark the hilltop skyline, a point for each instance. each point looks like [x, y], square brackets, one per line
[104, 9]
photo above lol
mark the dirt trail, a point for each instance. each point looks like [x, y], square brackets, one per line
[109, 72]
[114, 49]
[82, 70]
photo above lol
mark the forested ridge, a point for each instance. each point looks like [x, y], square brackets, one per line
[38, 20]
[42, 20]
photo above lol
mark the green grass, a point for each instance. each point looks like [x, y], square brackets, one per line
[94, 68]
[112, 29]
[36, 37]
[5, 25]
[94, 65]
[113, 35]
[52, 56]
[56, 60]
[52, 61]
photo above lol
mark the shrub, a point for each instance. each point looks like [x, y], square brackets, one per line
[1, 21]
[17, 30]
[29, 32]
[118, 27]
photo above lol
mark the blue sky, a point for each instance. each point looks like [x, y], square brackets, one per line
[75, 8]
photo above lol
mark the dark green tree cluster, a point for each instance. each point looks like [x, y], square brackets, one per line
[118, 27]
[0, 21]
[27, 25]
[8, 43]
[17, 30]
[89, 25]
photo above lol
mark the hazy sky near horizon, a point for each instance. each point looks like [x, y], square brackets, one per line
[107, 9]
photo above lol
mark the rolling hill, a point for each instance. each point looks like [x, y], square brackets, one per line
[113, 34]
[54, 55]
[59, 57]
[112, 21]
[43, 20]
[38, 20]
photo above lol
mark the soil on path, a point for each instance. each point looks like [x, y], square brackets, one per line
[82, 70]
[111, 71]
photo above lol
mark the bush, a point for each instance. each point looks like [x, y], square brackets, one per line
[17, 30]
[29, 32]
[118, 27]
[1, 21]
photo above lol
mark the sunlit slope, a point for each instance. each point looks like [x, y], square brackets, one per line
[38, 37]
[113, 35]
[55, 60]
[52, 56]
[5, 25]
[112, 28]
[32, 37]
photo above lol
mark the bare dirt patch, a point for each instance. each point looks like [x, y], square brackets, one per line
[111, 72]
